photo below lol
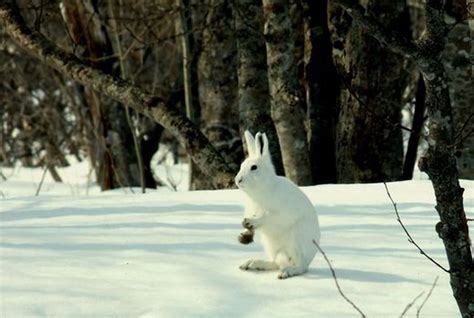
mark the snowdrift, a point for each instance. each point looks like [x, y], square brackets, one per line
[175, 254]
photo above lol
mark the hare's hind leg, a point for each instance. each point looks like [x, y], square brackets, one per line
[291, 264]
[258, 265]
[292, 271]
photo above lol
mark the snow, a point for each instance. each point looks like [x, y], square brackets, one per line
[73, 251]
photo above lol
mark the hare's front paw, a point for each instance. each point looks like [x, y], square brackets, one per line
[246, 237]
[250, 224]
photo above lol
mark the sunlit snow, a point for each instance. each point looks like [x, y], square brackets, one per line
[73, 251]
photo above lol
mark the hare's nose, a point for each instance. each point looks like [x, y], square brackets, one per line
[239, 181]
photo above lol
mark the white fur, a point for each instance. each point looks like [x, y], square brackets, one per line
[277, 210]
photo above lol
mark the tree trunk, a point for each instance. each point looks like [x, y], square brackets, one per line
[287, 102]
[439, 162]
[440, 165]
[195, 143]
[149, 143]
[113, 144]
[183, 27]
[369, 145]
[254, 96]
[321, 92]
[416, 128]
[217, 71]
[456, 58]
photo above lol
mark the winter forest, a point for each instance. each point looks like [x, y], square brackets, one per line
[148, 149]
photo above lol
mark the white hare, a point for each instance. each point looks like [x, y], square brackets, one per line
[277, 210]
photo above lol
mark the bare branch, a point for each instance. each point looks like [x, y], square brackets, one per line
[196, 144]
[427, 297]
[460, 136]
[410, 304]
[123, 73]
[41, 181]
[410, 238]
[337, 283]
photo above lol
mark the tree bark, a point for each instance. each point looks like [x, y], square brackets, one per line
[287, 102]
[416, 128]
[149, 143]
[456, 57]
[369, 149]
[183, 27]
[112, 148]
[322, 89]
[217, 78]
[439, 162]
[254, 96]
[195, 143]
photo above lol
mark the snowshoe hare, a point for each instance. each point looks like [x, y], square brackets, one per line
[279, 211]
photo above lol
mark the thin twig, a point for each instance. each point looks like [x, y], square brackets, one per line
[410, 304]
[123, 73]
[337, 283]
[463, 127]
[410, 238]
[427, 297]
[461, 139]
[42, 180]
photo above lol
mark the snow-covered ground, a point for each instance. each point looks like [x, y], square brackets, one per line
[75, 252]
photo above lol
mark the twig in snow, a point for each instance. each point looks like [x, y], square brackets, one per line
[427, 297]
[410, 238]
[337, 283]
[41, 182]
[410, 304]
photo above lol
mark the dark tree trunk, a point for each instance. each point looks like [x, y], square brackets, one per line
[217, 71]
[254, 96]
[112, 148]
[287, 102]
[321, 92]
[416, 128]
[189, 51]
[457, 58]
[149, 143]
[369, 140]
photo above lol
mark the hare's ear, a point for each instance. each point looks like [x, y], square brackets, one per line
[250, 141]
[260, 143]
[265, 148]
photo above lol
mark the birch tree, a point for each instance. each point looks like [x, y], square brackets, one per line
[287, 104]
[217, 78]
[439, 162]
[150, 105]
[254, 95]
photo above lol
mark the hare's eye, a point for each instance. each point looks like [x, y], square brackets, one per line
[254, 167]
